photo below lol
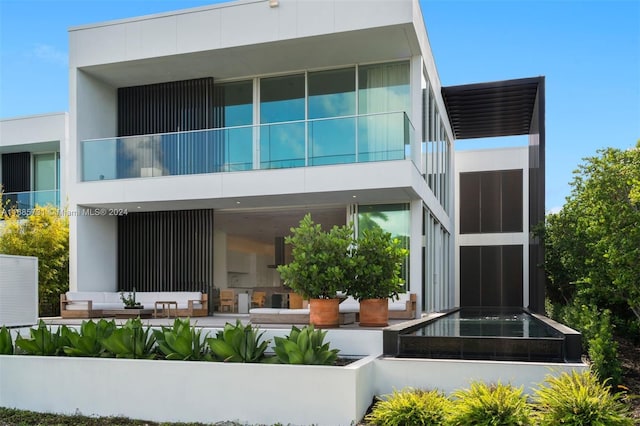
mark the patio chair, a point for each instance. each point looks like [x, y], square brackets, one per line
[228, 300]
[258, 299]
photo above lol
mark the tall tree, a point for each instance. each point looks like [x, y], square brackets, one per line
[45, 235]
[594, 241]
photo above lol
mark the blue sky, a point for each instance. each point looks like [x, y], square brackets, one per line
[588, 50]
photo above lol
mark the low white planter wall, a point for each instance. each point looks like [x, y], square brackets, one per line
[189, 391]
[18, 290]
[450, 375]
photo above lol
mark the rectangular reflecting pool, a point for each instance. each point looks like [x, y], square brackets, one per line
[496, 334]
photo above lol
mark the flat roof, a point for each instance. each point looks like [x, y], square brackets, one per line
[499, 108]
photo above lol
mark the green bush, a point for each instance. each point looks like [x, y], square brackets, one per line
[182, 342]
[490, 405]
[6, 343]
[579, 399]
[597, 338]
[304, 347]
[238, 343]
[88, 341]
[322, 264]
[43, 341]
[130, 341]
[411, 407]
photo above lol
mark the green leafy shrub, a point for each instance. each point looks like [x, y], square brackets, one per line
[130, 341]
[578, 399]
[490, 404]
[182, 342]
[378, 266]
[43, 341]
[238, 343]
[6, 343]
[322, 264]
[304, 347]
[88, 342]
[411, 407]
[597, 332]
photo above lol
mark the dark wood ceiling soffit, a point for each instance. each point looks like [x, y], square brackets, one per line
[501, 108]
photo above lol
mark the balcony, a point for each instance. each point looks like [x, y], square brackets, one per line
[25, 202]
[338, 140]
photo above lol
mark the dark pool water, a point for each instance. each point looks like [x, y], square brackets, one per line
[476, 323]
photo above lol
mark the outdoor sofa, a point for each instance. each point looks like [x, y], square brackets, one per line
[92, 304]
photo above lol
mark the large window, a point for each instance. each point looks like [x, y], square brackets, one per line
[436, 146]
[234, 112]
[332, 94]
[436, 289]
[46, 178]
[282, 143]
[392, 218]
[383, 88]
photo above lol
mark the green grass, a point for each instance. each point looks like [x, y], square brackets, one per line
[13, 417]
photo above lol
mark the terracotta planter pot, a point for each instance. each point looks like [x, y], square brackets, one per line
[295, 301]
[374, 313]
[324, 313]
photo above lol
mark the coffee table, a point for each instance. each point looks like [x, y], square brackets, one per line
[165, 306]
[128, 313]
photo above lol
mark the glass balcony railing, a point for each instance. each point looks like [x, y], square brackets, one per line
[338, 140]
[24, 202]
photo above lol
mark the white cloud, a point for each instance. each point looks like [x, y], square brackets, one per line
[50, 54]
[554, 210]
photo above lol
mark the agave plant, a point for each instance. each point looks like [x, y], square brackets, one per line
[6, 344]
[87, 342]
[43, 341]
[130, 341]
[182, 342]
[238, 343]
[304, 347]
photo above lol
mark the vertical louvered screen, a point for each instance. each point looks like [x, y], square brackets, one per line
[16, 172]
[166, 251]
[161, 110]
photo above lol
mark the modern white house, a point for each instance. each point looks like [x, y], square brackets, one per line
[199, 137]
[32, 149]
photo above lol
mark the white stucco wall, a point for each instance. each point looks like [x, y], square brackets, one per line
[95, 242]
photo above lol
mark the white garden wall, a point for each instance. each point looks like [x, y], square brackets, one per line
[253, 393]
[188, 391]
[18, 290]
[448, 375]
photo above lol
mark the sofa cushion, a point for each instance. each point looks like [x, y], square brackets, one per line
[294, 312]
[95, 296]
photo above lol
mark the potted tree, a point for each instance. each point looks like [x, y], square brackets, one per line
[378, 264]
[321, 266]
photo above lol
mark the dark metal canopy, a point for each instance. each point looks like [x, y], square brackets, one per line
[500, 108]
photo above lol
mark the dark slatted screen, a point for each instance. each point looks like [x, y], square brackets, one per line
[491, 276]
[160, 111]
[16, 172]
[491, 201]
[176, 106]
[166, 251]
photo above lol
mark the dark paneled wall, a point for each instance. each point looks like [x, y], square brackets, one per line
[491, 276]
[537, 165]
[166, 251]
[491, 201]
[176, 106]
[16, 172]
